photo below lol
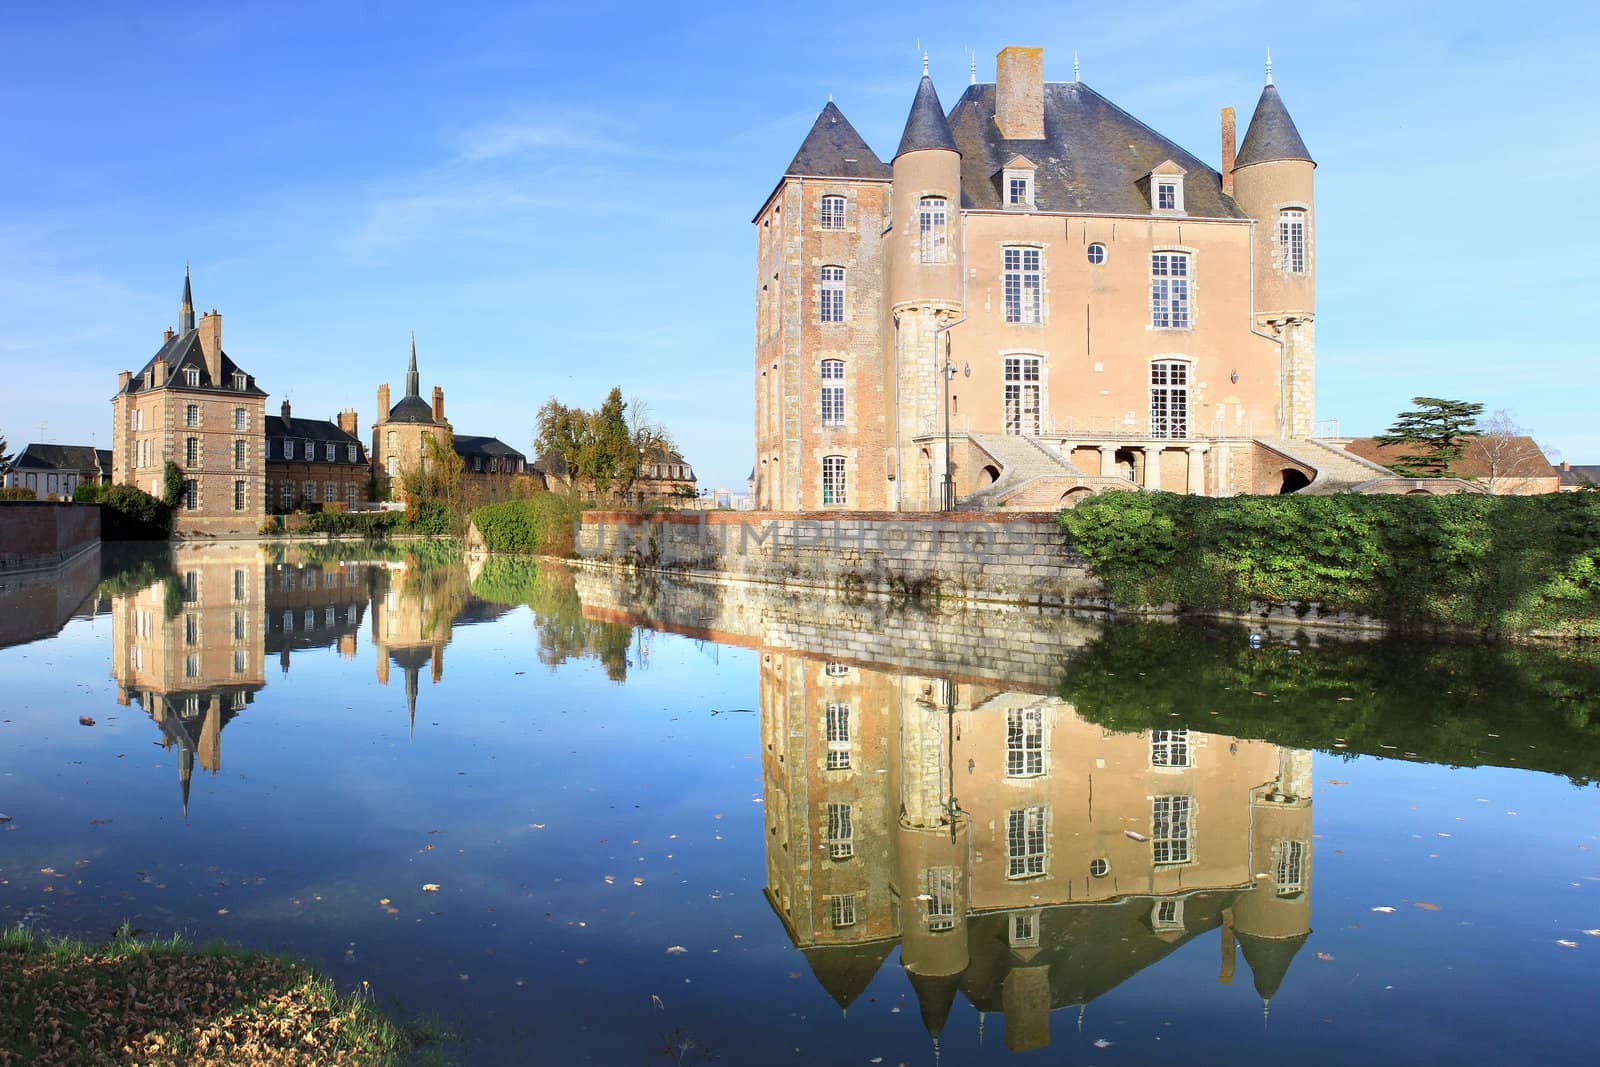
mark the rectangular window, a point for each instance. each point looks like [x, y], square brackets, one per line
[1171, 828]
[1017, 191]
[1023, 286]
[1022, 395]
[308, 492]
[191, 494]
[238, 626]
[831, 308]
[1169, 748]
[191, 415]
[191, 586]
[1169, 399]
[330, 493]
[238, 418]
[1169, 290]
[191, 451]
[238, 496]
[239, 383]
[1167, 196]
[1024, 742]
[353, 453]
[1025, 929]
[191, 629]
[191, 376]
[238, 584]
[941, 892]
[238, 661]
[833, 213]
[1167, 915]
[1291, 868]
[1292, 241]
[932, 229]
[833, 392]
[1025, 842]
[350, 496]
[842, 910]
[833, 487]
[838, 737]
[288, 495]
[238, 455]
[191, 669]
[840, 834]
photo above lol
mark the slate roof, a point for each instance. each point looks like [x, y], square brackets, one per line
[278, 429]
[1092, 158]
[411, 409]
[59, 458]
[926, 126]
[833, 149]
[1579, 474]
[468, 447]
[184, 351]
[1271, 135]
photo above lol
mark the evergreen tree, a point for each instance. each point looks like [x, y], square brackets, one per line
[1434, 433]
[6, 458]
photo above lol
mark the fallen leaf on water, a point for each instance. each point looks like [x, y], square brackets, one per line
[84, 720]
[1441, 835]
[4, 817]
[430, 887]
[537, 825]
[611, 879]
[1101, 1042]
[1423, 904]
[1384, 908]
[638, 881]
[676, 950]
[1567, 944]
[1324, 955]
[1593, 933]
[656, 1000]
[383, 901]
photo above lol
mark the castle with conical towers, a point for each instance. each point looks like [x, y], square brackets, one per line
[1037, 298]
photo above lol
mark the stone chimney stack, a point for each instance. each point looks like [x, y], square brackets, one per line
[438, 404]
[168, 334]
[1019, 93]
[285, 410]
[1230, 146]
[349, 423]
[123, 379]
[383, 401]
[211, 345]
[160, 373]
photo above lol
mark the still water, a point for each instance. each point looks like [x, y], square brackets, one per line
[588, 819]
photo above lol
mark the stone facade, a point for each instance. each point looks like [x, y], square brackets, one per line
[990, 291]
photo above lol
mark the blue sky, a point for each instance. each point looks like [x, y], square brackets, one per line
[556, 198]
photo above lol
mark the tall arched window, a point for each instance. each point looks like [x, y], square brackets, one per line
[932, 229]
[833, 213]
[833, 392]
[1169, 290]
[1169, 398]
[832, 294]
[1292, 240]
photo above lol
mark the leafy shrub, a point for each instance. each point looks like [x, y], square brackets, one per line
[1490, 563]
[541, 524]
[17, 492]
[88, 492]
[367, 523]
[128, 513]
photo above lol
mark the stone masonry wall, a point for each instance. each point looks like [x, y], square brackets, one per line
[1019, 559]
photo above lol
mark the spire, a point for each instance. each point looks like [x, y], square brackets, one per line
[411, 700]
[186, 308]
[972, 72]
[1271, 135]
[926, 126]
[1269, 66]
[413, 385]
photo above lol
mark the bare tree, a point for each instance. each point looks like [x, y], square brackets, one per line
[1508, 451]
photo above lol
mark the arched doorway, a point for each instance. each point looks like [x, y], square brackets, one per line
[989, 475]
[1073, 497]
[1293, 481]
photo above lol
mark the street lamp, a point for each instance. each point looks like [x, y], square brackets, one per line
[948, 371]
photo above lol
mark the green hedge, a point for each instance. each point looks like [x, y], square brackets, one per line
[1495, 564]
[128, 513]
[541, 524]
[17, 492]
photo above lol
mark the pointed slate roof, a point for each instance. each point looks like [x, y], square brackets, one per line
[1269, 959]
[833, 149]
[845, 971]
[186, 305]
[926, 127]
[1271, 135]
[182, 351]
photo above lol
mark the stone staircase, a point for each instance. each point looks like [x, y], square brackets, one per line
[1338, 471]
[1026, 463]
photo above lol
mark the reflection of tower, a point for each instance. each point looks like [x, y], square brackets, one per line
[189, 649]
[412, 615]
[1274, 919]
[931, 849]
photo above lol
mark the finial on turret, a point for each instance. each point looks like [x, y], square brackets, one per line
[1266, 1002]
[924, 62]
[973, 68]
[1269, 66]
[1076, 75]
[830, 98]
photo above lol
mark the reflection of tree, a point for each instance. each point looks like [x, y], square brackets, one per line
[1458, 704]
[126, 569]
[564, 632]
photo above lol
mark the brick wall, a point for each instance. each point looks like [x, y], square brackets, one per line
[44, 534]
[973, 556]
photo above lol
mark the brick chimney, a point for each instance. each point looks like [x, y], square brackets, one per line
[285, 410]
[383, 401]
[159, 377]
[1019, 92]
[211, 345]
[349, 423]
[438, 404]
[168, 334]
[123, 379]
[1230, 147]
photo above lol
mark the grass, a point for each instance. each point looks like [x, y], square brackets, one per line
[166, 1002]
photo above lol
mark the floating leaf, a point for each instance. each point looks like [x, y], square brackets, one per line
[1384, 908]
[676, 950]
[1134, 835]
[1425, 906]
[430, 887]
[1324, 955]
[1567, 944]
[1101, 1042]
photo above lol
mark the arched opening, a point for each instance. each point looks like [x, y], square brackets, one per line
[1293, 481]
[1419, 492]
[1073, 497]
[990, 474]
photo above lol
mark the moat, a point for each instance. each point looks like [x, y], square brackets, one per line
[588, 818]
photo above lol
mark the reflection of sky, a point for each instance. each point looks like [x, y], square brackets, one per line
[322, 795]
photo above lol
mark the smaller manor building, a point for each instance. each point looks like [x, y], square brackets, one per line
[316, 462]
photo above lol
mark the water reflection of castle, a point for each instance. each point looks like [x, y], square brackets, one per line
[1016, 853]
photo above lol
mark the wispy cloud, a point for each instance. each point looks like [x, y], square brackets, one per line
[515, 137]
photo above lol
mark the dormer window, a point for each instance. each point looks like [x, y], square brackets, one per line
[1016, 184]
[1167, 196]
[1166, 188]
[238, 381]
[191, 376]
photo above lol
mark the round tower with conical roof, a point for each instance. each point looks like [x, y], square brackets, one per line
[924, 277]
[1272, 180]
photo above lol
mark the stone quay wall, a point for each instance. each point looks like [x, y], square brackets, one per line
[40, 534]
[965, 556]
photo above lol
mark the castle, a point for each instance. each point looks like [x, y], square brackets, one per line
[1038, 297]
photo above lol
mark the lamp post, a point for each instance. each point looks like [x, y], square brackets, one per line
[947, 494]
